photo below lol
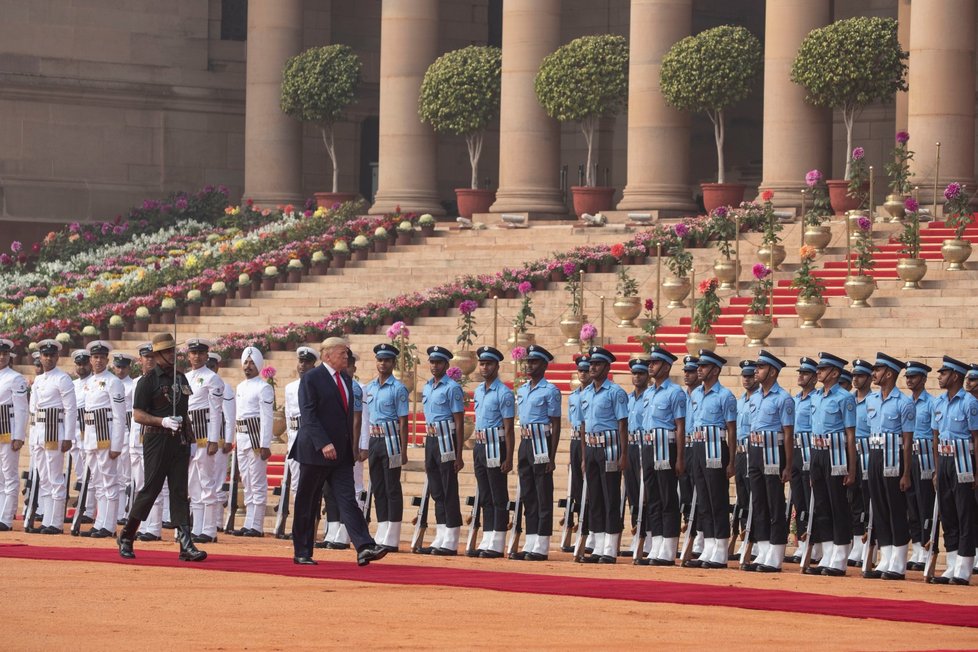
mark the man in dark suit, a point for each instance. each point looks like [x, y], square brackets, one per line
[324, 450]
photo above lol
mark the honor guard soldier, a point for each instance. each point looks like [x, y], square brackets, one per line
[748, 380]
[538, 404]
[769, 464]
[833, 466]
[13, 430]
[152, 528]
[121, 366]
[858, 492]
[691, 381]
[306, 359]
[665, 449]
[444, 408]
[714, 413]
[55, 424]
[636, 432]
[161, 393]
[891, 425]
[801, 460]
[255, 399]
[225, 442]
[956, 425]
[81, 456]
[605, 408]
[971, 380]
[576, 477]
[921, 494]
[492, 454]
[845, 380]
[206, 420]
[386, 409]
[105, 427]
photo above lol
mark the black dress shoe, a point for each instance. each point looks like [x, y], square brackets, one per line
[888, 575]
[764, 568]
[535, 556]
[120, 521]
[591, 559]
[692, 563]
[50, 529]
[853, 563]
[915, 566]
[872, 574]
[750, 567]
[125, 548]
[663, 562]
[567, 548]
[793, 559]
[442, 552]
[86, 520]
[589, 551]
[490, 554]
[240, 533]
[253, 534]
[87, 533]
[166, 524]
[102, 533]
[4, 527]
[607, 559]
[370, 553]
[473, 553]
[814, 570]
[321, 545]
[939, 579]
[203, 538]
[423, 550]
[833, 572]
[642, 561]
[957, 581]
[284, 537]
[390, 549]
[304, 561]
[518, 556]
[332, 545]
[33, 530]
[146, 536]
[715, 565]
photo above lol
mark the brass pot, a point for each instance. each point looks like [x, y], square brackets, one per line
[521, 339]
[570, 328]
[408, 379]
[809, 311]
[727, 272]
[278, 424]
[859, 288]
[757, 328]
[627, 309]
[676, 290]
[855, 233]
[697, 341]
[466, 361]
[818, 237]
[955, 252]
[894, 206]
[910, 271]
[764, 255]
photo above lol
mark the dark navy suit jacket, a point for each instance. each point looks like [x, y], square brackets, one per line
[323, 419]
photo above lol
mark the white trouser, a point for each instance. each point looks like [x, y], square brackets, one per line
[106, 482]
[9, 483]
[202, 490]
[124, 469]
[50, 466]
[154, 522]
[220, 470]
[254, 479]
[80, 460]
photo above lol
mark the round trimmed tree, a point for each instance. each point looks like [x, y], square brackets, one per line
[460, 96]
[584, 81]
[850, 64]
[317, 86]
[710, 72]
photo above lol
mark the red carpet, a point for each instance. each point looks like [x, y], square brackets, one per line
[914, 611]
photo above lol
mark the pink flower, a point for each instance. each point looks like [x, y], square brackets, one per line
[468, 306]
[16, 246]
[268, 373]
[858, 153]
[398, 329]
[518, 353]
[767, 195]
[569, 268]
[588, 331]
[649, 305]
[681, 230]
[902, 137]
[864, 223]
[525, 288]
[761, 271]
[952, 191]
[454, 373]
[813, 178]
[720, 211]
[910, 205]
[5, 259]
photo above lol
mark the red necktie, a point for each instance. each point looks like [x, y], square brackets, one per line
[340, 384]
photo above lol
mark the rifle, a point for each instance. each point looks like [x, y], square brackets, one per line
[282, 512]
[869, 550]
[687, 549]
[64, 514]
[582, 530]
[567, 522]
[931, 546]
[639, 538]
[232, 493]
[82, 500]
[31, 489]
[748, 547]
[421, 520]
[473, 521]
[806, 559]
[368, 496]
[513, 538]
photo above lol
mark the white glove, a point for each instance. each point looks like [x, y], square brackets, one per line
[172, 423]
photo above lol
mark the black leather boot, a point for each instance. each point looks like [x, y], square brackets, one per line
[126, 537]
[188, 551]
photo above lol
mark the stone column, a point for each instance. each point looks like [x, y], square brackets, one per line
[529, 140]
[658, 135]
[797, 135]
[942, 93]
[903, 34]
[406, 170]
[273, 140]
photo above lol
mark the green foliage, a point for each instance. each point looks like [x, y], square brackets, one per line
[627, 286]
[679, 261]
[460, 90]
[318, 84]
[707, 308]
[586, 78]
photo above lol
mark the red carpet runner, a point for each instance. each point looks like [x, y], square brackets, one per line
[914, 611]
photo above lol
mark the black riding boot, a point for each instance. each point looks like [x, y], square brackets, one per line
[126, 537]
[188, 551]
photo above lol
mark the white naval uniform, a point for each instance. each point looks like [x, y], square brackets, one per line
[13, 427]
[221, 458]
[154, 522]
[208, 397]
[291, 420]
[82, 459]
[105, 391]
[124, 467]
[52, 390]
[254, 398]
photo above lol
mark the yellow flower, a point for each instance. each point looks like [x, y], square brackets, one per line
[190, 261]
[30, 298]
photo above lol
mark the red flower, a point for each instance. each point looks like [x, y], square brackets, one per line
[767, 195]
[618, 250]
[649, 305]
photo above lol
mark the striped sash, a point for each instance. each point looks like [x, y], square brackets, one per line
[99, 421]
[81, 421]
[925, 458]
[391, 432]
[251, 426]
[292, 423]
[198, 424]
[53, 419]
[964, 460]
[493, 448]
[714, 445]
[892, 442]
[661, 438]
[803, 442]
[539, 434]
[445, 432]
[769, 440]
[838, 456]
[612, 452]
[862, 450]
[129, 421]
[6, 423]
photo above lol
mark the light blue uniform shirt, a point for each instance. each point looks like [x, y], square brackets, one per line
[744, 416]
[690, 415]
[713, 408]
[636, 411]
[924, 406]
[441, 399]
[574, 408]
[895, 413]
[493, 405]
[862, 418]
[833, 412]
[957, 417]
[803, 412]
[538, 404]
[603, 408]
[387, 401]
[663, 405]
[772, 412]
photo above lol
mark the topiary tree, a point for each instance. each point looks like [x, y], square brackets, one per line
[317, 86]
[584, 81]
[849, 64]
[460, 96]
[711, 72]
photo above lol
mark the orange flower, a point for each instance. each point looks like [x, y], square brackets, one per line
[767, 195]
[618, 250]
[808, 252]
[708, 284]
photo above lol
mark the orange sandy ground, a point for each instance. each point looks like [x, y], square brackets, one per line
[99, 606]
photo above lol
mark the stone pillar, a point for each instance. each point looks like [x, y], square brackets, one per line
[406, 170]
[529, 140]
[797, 135]
[941, 106]
[903, 34]
[658, 135]
[273, 140]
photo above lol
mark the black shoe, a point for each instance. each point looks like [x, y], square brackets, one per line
[888, 575]
[607, 559]
[86, 519]
[535, 556]
[915, 565]
[166, 525]
[332, 545]
[50, 529]
[591, 559]
[750, 567]
[490, 554]
[814, 570]
[793, 559]
[321, 545]
[188, 551]
[715, 565]
[121, 521]
[663, 562]
[853, 563]
[833, 572]
[567, 548]
[102, 533]
[204, 538]
[390, 549]
[240, 533]
[518, 556]
[253, 534]
[692, 563]
[371, 553]
[147, 536]
[764, 568]
[423, 550]
[872, 574]
[33, 530]
[284, 537]
[957, 581]
[589, 551]
[442, 552]
[939, 579]
[87, 533]
[473, 553]
[4, 527]
[642, 561]
[304, 561]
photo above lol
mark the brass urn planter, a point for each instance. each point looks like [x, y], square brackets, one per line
[859, 288]
[627, 309]
[910, 271]
[757, 328]
[810, 311]
[956, 252]
[895, 207]
[764, 255]
[818, 237]
[466, 361]
[570, 328]
[727, 272]
[697, 341]
[676, 290]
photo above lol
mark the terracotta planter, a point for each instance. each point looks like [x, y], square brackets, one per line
[277, 346]
[319, 268]
[88, 339]
[268, 283]
[676, 291]
[295, 275]
[218, 300]
[557, 276]
[955, 253]
[859, 289]
[627, 309]
[359, 254]
[328, 199]
[757, 328]
[592, 200]
[193, 309]
[244, 291]
[339, 259]
[472, 201]
[697, 341]
[910, 271]
[140, 326]
[380, 245]
[721, 194]
[166, 317]
[570, 328]
[809, 311]
[839, 196]
[115, 333]
[427, 230]
[818, 237]
[404, 237]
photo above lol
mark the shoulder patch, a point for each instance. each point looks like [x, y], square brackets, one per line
[974, 410]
